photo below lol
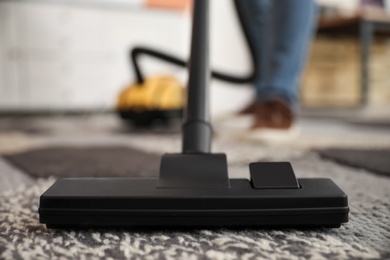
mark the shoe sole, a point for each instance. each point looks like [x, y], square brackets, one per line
[272, 135]
[233, 123]
[237, 126]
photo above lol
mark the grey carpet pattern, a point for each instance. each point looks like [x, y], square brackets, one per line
[375, 160]
[11, 177]
[107, 161]
[366, 236]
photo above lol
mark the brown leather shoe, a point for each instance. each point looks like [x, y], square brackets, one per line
[273, 114]
[249, 109]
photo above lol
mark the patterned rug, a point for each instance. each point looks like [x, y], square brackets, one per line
[366, 236]
[107, 161]
[375, 160]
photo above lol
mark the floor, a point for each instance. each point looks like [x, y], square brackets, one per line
[367, 235]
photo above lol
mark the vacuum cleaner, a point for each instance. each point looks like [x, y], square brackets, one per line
[162, 97]
[193, 188]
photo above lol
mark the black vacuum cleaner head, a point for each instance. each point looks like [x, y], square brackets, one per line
[132, 202]
[118, 202]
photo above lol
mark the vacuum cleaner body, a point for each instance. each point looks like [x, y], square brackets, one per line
[158, 98]
[193, 188]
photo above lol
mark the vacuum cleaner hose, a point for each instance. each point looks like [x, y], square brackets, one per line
[241, 12]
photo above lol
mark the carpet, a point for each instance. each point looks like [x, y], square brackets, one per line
[114, 161]
[375, 160]
[365, 236]
[379, 122]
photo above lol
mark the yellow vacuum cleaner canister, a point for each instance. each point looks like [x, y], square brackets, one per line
[157, 93]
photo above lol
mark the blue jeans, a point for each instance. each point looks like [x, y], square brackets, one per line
[281, 32]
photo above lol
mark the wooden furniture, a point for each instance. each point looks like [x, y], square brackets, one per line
[364, 26]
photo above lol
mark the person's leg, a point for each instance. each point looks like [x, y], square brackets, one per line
[281, 31]
[292, 26]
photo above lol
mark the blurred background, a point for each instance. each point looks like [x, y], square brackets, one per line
[63, 56]
[65, 64]
[65, 73]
